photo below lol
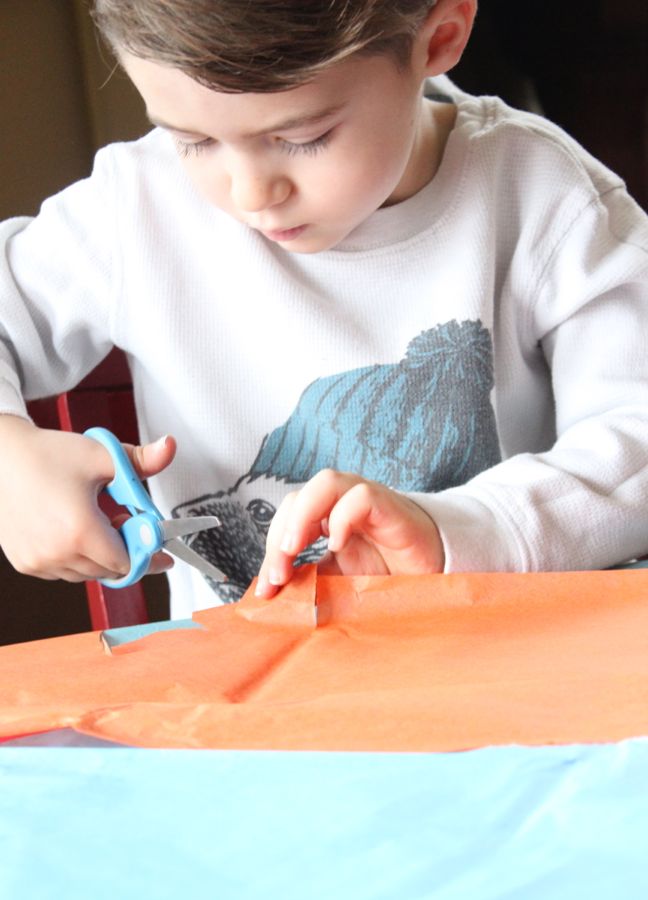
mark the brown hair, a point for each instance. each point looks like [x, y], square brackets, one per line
[259, 45]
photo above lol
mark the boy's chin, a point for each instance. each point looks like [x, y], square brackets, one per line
[313, 243]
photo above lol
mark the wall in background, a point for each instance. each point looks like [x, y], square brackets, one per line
[60, 100]
[582, 62]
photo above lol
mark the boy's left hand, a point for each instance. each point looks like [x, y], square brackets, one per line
[371, 530]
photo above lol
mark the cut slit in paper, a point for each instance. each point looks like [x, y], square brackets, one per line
[116, 637]
[420, 663]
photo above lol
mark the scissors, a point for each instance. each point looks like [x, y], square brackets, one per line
[147, 531]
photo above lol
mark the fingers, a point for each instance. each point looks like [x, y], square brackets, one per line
[272, 573]
[371, 530]
[149, 459]
[308, 515]
[160, 562]
[302, 518]
[79, 568]
[84, 569]
[73, 542]
[50, 524]
[67, 561]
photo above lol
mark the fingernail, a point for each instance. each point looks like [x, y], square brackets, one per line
[333, 544]
[275, 578]
[264, 590]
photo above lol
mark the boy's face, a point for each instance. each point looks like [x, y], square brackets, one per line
[305, 166]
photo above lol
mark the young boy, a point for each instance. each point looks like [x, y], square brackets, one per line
[410, 329]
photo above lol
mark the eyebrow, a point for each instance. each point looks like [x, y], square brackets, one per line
[286, 125]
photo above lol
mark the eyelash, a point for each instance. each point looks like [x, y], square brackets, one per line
[310, 148]
[195, 148]
[191, 148]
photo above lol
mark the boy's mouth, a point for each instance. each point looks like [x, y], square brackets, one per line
[285, 234]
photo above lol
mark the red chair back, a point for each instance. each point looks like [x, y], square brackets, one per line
[104, 398]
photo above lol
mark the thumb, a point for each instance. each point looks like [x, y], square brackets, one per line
[149, 459]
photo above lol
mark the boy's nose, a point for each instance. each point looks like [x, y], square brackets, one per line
[254, 192]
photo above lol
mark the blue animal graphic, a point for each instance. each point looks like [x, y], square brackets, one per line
[424, 424]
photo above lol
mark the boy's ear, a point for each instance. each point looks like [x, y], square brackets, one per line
[444, 34]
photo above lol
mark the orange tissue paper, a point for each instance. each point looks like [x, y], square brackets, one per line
[415, 663]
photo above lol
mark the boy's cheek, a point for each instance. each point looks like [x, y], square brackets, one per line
[212, 191]
[205, 180]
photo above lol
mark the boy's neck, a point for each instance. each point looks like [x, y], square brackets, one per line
[436, 122]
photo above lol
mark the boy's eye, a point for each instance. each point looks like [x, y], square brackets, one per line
[310, 147]
[193, 148]
[189, 148]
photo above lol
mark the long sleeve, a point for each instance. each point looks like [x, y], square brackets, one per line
[582, 502]
[56, 277]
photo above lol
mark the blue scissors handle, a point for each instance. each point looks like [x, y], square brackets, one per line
[142, 533]
[125, 488]
[143, 537]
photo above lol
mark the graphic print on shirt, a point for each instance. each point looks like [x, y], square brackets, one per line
[424, 424]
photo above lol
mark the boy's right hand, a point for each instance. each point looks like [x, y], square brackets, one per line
[50, 522]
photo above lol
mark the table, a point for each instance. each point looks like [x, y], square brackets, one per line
[505, 822]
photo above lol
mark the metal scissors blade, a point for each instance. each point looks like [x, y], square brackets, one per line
[182, 551]
[175, 528]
